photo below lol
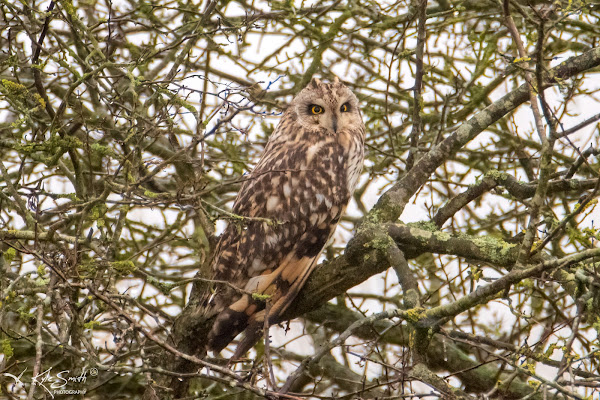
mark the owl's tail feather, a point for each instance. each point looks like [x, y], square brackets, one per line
[227, 326]
[248, 313]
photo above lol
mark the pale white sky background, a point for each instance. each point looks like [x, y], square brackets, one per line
[415, 211]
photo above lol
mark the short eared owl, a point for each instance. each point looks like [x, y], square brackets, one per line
[294, 199]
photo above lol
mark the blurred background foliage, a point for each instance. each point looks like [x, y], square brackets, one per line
[126, 127]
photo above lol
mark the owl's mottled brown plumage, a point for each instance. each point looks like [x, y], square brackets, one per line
[302, 183]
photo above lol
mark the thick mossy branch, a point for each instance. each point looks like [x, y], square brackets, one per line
[362, 260]
[412, 239]
[366, 255]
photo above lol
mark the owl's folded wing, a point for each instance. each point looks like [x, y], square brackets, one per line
[292, 208]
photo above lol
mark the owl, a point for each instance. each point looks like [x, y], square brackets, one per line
[292, 201]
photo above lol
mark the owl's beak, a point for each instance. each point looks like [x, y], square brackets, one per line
[334, 123]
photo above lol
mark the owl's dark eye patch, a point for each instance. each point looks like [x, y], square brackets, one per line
[345, 107]
[315, 109]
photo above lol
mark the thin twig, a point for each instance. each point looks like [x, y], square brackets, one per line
[417, 126]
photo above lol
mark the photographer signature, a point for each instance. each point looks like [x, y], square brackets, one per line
[57, 382]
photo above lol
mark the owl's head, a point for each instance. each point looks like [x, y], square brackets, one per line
[330, 106]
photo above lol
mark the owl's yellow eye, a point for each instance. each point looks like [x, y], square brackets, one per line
[316, 110]
[345, 107]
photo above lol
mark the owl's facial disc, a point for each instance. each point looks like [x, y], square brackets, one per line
[327, 107]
